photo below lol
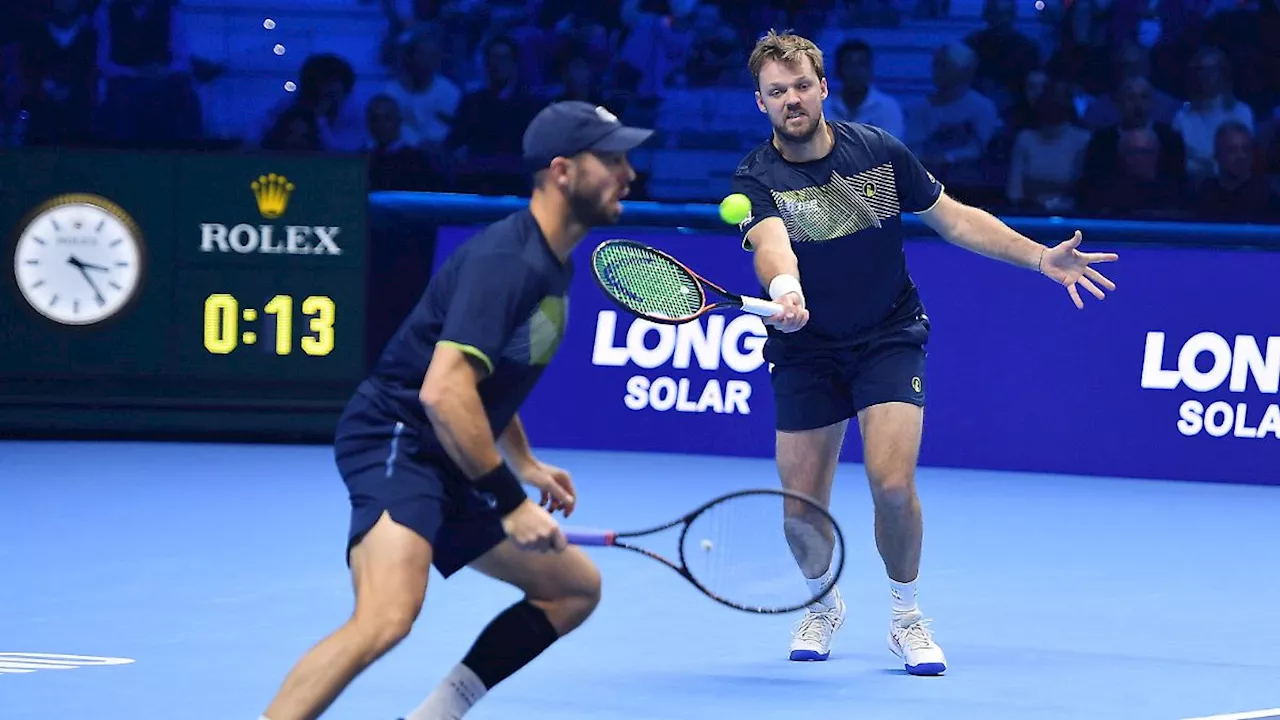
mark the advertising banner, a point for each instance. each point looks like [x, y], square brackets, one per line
[1173, 376]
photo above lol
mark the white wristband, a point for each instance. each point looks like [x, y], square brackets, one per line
[783, 284]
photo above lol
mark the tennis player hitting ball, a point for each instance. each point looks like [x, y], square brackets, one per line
[432, 450]
[826, 203]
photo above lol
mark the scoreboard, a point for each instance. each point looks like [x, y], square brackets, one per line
[180, 293]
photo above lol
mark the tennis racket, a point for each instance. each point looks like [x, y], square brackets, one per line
[751, 550]
[652, 284]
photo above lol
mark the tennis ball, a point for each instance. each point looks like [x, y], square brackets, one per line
[706, 545]
[735, 208]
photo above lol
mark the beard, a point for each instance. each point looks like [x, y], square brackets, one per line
[804, 134]
[590, 209]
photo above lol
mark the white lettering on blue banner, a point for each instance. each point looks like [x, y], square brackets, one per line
[709, 342]
[1234, 363]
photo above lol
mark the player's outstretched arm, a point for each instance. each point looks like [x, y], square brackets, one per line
[777, 269]
[981, 232]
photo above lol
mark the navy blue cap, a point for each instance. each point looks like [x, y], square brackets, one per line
[564, 129]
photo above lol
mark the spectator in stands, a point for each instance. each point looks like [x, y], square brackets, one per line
[858, 98]
[1130, 61]
[1102, 158]
[1212, 104]
[577, 31]
[652, 50]
[1019, 116]
[427, 100]
[296, 130]
[1005, 56]
[487, 135]
[325, 85]
[1136, 188]
[714, 56]
[144, 60]
[1022, 113]
[394, 162]
[1048, 158]
[59, 60]
[1236, 193]
[1248, 32]
[950, 131]
[580, 83]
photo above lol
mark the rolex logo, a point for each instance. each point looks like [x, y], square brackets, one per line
[272, 194]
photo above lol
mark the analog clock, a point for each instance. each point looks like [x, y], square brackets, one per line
[78, 260]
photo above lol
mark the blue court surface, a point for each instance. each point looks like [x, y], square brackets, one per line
[155, 581]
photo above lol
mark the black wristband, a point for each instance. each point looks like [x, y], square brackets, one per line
[502, 484]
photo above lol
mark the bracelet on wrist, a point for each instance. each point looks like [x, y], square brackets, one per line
[505, 488]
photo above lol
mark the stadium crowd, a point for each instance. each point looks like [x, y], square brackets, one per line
[1120, 108]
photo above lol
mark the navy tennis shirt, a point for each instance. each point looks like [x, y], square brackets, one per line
[843, 213]
[502, 298]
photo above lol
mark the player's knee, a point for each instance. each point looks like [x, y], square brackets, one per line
[893, 489]
[577, 597]
[384, 625]
[586, 592]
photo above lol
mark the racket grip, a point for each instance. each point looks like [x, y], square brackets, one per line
[579, 536]
[763, 308]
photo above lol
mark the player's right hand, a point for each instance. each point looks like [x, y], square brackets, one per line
[793, 316]
[529, 527]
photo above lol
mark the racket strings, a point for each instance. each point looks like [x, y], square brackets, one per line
[739, 551]
[647, 282]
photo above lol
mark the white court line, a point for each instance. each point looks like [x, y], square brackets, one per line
[1252, 715]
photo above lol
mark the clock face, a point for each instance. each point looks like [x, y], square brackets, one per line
[78, 262]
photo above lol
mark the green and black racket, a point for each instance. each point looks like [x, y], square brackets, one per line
[653, 285]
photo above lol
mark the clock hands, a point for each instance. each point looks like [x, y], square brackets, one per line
[84, 269]
[82, 264]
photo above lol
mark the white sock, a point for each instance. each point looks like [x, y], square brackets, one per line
[452, 698]
[816, 585]
[904, 596]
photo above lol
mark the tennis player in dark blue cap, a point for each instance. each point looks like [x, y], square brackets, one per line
[432, 450]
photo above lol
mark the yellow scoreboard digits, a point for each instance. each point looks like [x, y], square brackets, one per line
[223, 316]
[221, 320]
[322, 325]
[282, 307]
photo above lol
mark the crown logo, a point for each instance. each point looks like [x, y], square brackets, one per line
[272, 194]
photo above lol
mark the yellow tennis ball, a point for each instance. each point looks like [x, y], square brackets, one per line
[735, 208]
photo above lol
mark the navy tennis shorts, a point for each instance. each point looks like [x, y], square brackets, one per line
[379, 461]
[820, 387]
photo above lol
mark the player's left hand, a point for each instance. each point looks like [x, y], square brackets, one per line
[1068, 266]
[554, 484]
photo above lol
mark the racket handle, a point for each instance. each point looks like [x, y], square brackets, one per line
[763, 308]
[579, 536]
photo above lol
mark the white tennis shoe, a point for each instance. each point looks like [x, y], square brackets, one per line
[812, 638]
[910, 639]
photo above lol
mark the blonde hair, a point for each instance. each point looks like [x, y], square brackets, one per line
[786, 48]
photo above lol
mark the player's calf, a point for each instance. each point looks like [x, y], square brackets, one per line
[562, 589]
